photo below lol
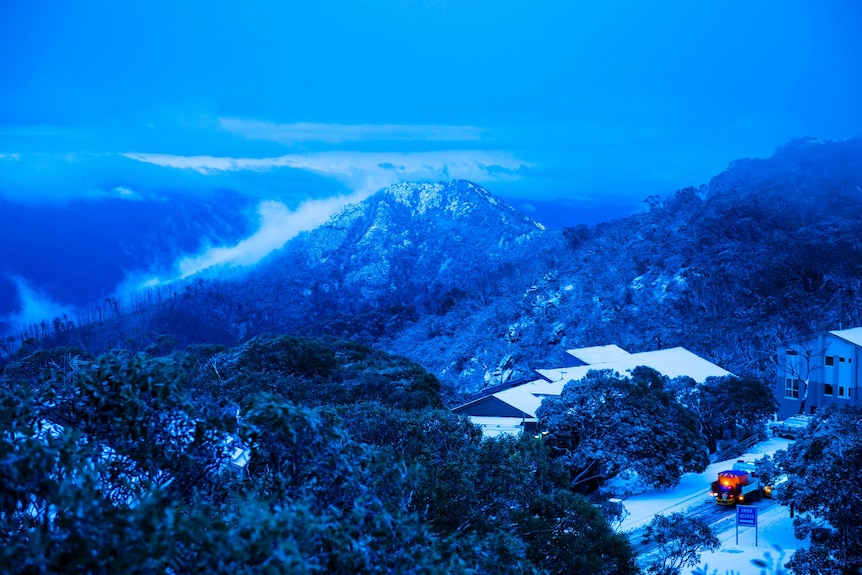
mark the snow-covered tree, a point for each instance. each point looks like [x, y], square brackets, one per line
[823, 467]
[605, 424]
[680, 542]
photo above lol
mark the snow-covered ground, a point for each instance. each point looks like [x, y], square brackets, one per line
[775, 531]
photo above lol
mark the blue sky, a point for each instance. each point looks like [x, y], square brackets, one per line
[300, 100]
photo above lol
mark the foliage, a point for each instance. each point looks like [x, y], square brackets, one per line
[314, 372]
[822, 468]
[605, 424]
[122, 466]
[680, 541]
[732, 408]
[31, 365]
[725, 270]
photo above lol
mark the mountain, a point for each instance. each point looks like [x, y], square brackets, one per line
[410, 251]
[410, 244]
[478, 293]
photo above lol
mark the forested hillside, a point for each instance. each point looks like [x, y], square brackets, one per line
[122, 460]
[458, 281]
[123, 463]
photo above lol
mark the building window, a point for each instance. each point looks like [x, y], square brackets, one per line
[791, 388]
[792, 352]
[841, 359]
[830, 360]
[827, 389]
[843, 391]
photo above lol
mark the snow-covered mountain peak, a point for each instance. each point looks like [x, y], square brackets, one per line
[419, 197]
[454, 200]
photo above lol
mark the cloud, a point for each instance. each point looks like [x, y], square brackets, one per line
[35, 306]
[363, 172]
[120, 193]
[16, 157]
[126, 192]
[278, 225]
[339, 133]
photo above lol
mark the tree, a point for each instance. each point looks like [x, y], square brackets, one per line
[680, 542]
[605, 424]
[823, 466]
[732, 408]
[316, 500]
[118, 466]
[481, 487]
[565, 533]
[802, 362]
[136, 412]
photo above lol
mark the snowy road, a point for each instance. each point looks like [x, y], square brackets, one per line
[691, 497]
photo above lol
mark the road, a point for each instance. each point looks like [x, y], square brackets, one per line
[721, 519]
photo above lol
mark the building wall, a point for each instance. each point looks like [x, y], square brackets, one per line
[828, 363]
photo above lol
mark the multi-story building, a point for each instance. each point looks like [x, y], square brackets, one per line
[818, 370]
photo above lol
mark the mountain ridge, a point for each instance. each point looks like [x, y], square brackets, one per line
[481, 295]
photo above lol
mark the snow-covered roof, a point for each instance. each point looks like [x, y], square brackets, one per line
[527, 397]
[598, 353]
[520, 398]
[853, 335]
[566, 374]
[672, 362]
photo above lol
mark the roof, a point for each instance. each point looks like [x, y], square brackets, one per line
[522, 398]
[509, 408]
[672, 362]
[512, 402]
[598, 354]
[853, 335]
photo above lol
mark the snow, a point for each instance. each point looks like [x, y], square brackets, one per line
[421, 197]
[853, 335]
[520, 397]
[598, 354]
[774, 536]
[672, 362]
[775, 530]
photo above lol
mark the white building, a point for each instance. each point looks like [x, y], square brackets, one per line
[818, 370]
[513, 409]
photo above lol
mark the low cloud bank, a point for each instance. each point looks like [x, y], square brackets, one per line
[363, 172]
[35, 306]
[278, 225]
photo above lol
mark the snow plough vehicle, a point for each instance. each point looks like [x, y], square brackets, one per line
[739, 485]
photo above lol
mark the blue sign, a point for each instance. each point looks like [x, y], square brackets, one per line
[746, 516]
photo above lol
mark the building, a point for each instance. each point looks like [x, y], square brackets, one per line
[512, 408]
[818, 370]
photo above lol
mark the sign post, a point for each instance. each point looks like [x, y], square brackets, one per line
[746, 516]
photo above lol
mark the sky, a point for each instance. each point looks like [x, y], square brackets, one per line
[304, 106]
[302, 100]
